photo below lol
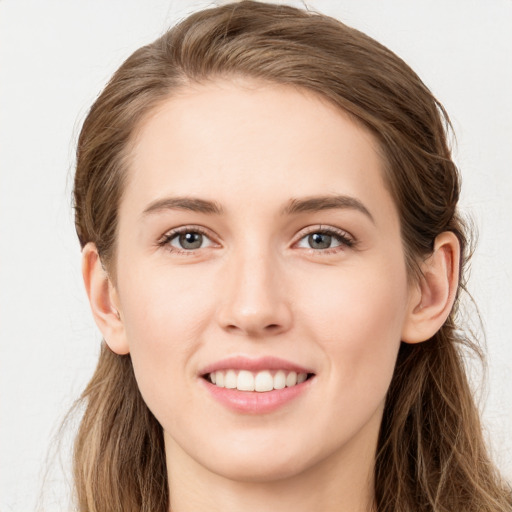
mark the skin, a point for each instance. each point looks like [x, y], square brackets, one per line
[257, 288]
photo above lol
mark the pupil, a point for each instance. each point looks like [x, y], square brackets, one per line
[191, 240]
[319, 241]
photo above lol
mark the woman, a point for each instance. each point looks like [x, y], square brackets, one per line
[271, 247]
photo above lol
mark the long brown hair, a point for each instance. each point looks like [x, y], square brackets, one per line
[431, 453]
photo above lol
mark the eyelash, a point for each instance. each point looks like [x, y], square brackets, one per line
[345, 240]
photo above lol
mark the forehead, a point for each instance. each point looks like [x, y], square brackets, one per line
[228, 140]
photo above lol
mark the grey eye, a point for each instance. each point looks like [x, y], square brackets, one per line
[188, 241]
[325, 239]
[320, 241]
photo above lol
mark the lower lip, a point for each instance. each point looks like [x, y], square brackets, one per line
[254, 402]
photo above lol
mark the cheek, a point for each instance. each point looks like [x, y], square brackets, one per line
[354, 300]
[164, 315]
[357, 319]
[165, 309]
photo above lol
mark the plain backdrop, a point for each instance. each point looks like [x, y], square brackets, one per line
[55, 56]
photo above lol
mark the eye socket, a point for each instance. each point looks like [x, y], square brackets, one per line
[325, 239]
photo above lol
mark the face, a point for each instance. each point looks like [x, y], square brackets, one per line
[258, 247]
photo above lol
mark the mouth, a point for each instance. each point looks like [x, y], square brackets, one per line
[261, 381]
[256, 386]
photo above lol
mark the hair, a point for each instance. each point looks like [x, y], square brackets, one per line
[431, 453]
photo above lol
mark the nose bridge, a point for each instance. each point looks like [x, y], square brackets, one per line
[254, 298]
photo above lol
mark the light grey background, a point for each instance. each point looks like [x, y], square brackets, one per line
[55, 56]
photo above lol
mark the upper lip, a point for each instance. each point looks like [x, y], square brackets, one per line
[254, 365]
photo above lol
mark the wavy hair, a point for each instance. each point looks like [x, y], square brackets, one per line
[431, 454]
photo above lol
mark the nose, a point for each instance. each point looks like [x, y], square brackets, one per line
[254, 301]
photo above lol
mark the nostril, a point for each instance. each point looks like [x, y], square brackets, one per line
[269, 329]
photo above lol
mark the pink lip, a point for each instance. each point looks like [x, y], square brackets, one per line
[254, 365]
[254, 402]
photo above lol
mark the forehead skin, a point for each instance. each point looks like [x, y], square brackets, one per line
[188, 133]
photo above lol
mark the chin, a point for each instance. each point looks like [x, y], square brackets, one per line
[264, 458]
[262, 468]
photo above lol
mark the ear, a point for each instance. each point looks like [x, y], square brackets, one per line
[104, 300]
[432, 298]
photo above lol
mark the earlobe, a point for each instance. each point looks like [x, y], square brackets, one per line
[432, 298]
[103, 300]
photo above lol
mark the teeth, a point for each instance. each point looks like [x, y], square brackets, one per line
[230, 379]
[262, 381]
[291, 379]
[301, 377]
[279, 380]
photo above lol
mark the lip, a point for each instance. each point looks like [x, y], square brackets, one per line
[254, 402]
[254, 365]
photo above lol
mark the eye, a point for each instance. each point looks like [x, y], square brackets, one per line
[325, 239]
[186, 240]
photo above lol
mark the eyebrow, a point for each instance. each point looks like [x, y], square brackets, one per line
[294, 206]
[184, 203]
[331, 202]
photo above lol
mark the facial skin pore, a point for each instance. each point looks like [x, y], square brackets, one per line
[256, 223]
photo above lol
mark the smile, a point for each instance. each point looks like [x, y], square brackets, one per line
[259, 385]
[261, 381]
